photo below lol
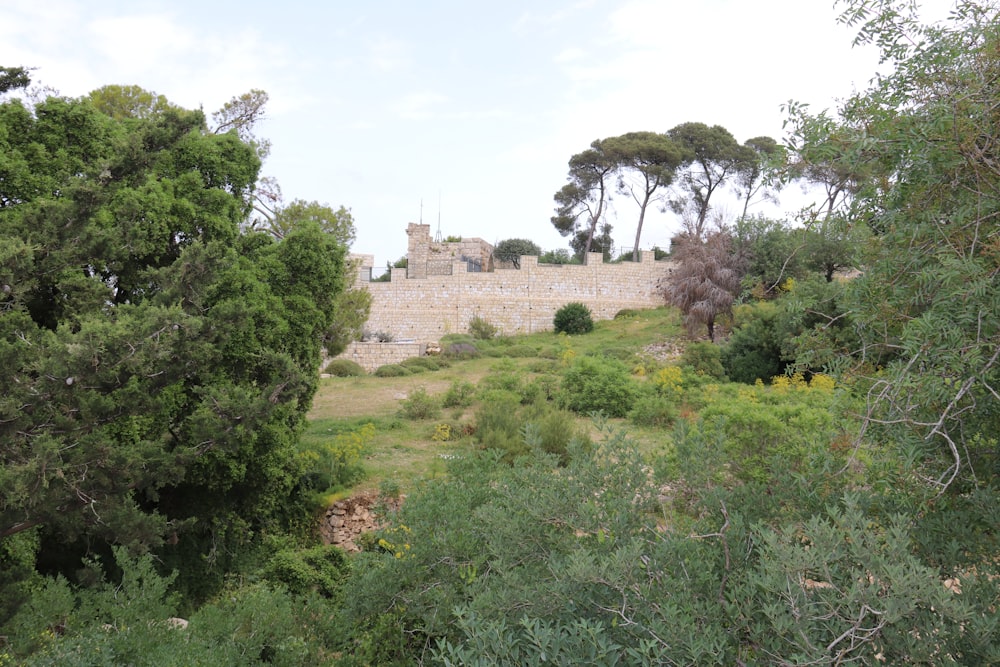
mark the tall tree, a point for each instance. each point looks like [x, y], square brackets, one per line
[759, 171]
[713, 156]
[919, 152]
[12, 78]
[646, 165]
[511, 250]
[707, 277]
[128, 102]
[157, 364]
[586, 194]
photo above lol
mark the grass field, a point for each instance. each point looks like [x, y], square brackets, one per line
[405, 450]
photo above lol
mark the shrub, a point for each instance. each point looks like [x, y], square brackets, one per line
[573, 318]
[391, 371]
[480, 329]
[377, 337]
[619, 353]
[319, 569]
[506, 376]
[333, 458]
[420, 364]
[344, 368]
[460, 351]
[498, 425]
[593, 384]
[556, 430]
[652, 409]
[754, 349]
[626, 313]
[420, 405]
[459, 395]
[520, 351]
[704, 358]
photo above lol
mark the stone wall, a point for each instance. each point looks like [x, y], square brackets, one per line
[372, 355]
[518, 301]
[425, 257]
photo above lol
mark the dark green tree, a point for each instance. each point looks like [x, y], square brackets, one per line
[586, 195]
[646, 165]
[712, 158]
[918, 153]
[12, 78]
[602, 243]
[158, 364]
[760, 171]
[511, 250]
[128, 102]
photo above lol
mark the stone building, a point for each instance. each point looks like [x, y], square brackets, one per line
[446, 284]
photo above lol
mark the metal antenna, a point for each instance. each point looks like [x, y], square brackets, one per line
[437, 236]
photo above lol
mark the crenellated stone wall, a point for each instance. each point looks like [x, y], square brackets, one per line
[518, 301]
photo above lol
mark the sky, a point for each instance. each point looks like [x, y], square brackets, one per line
[456, 113]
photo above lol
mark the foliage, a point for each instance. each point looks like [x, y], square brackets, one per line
[352, 306]
[391, 371]
[646, 164]
[771, 254]
[712, 156]
[321, 570]
[922, 143]
[377, 337]
[653, 409]
[419, 405]
[122, 102]
[594, 384]
[573, 318]
[421, 364]
[459, 395]
[559, 256]
[584, 242]
[706, 280]
[333, 457]
[12, 78]
[481, 329]
[585, 196]
[511, 250]
[754, 350]
[344, 368]
[704, 358]
[159, 363]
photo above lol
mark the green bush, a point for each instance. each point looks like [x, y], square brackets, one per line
[625, 354]
[391, 371]
[460, 351]
[704, 358]
[420, 405]
[626, 313]
[480, 329]
[653, 409]
[459, 395]
[594, 384]
[344, 368]
[520, 351]
[319, 570]
[573, 318]
[754, 348]
[498, 423]
[421, 364]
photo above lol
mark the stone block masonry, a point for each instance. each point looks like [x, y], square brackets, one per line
[517, 301]
[372, 355]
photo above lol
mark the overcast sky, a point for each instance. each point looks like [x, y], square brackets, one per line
[472, 108]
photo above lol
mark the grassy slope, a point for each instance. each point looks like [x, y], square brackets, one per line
[403, 450]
